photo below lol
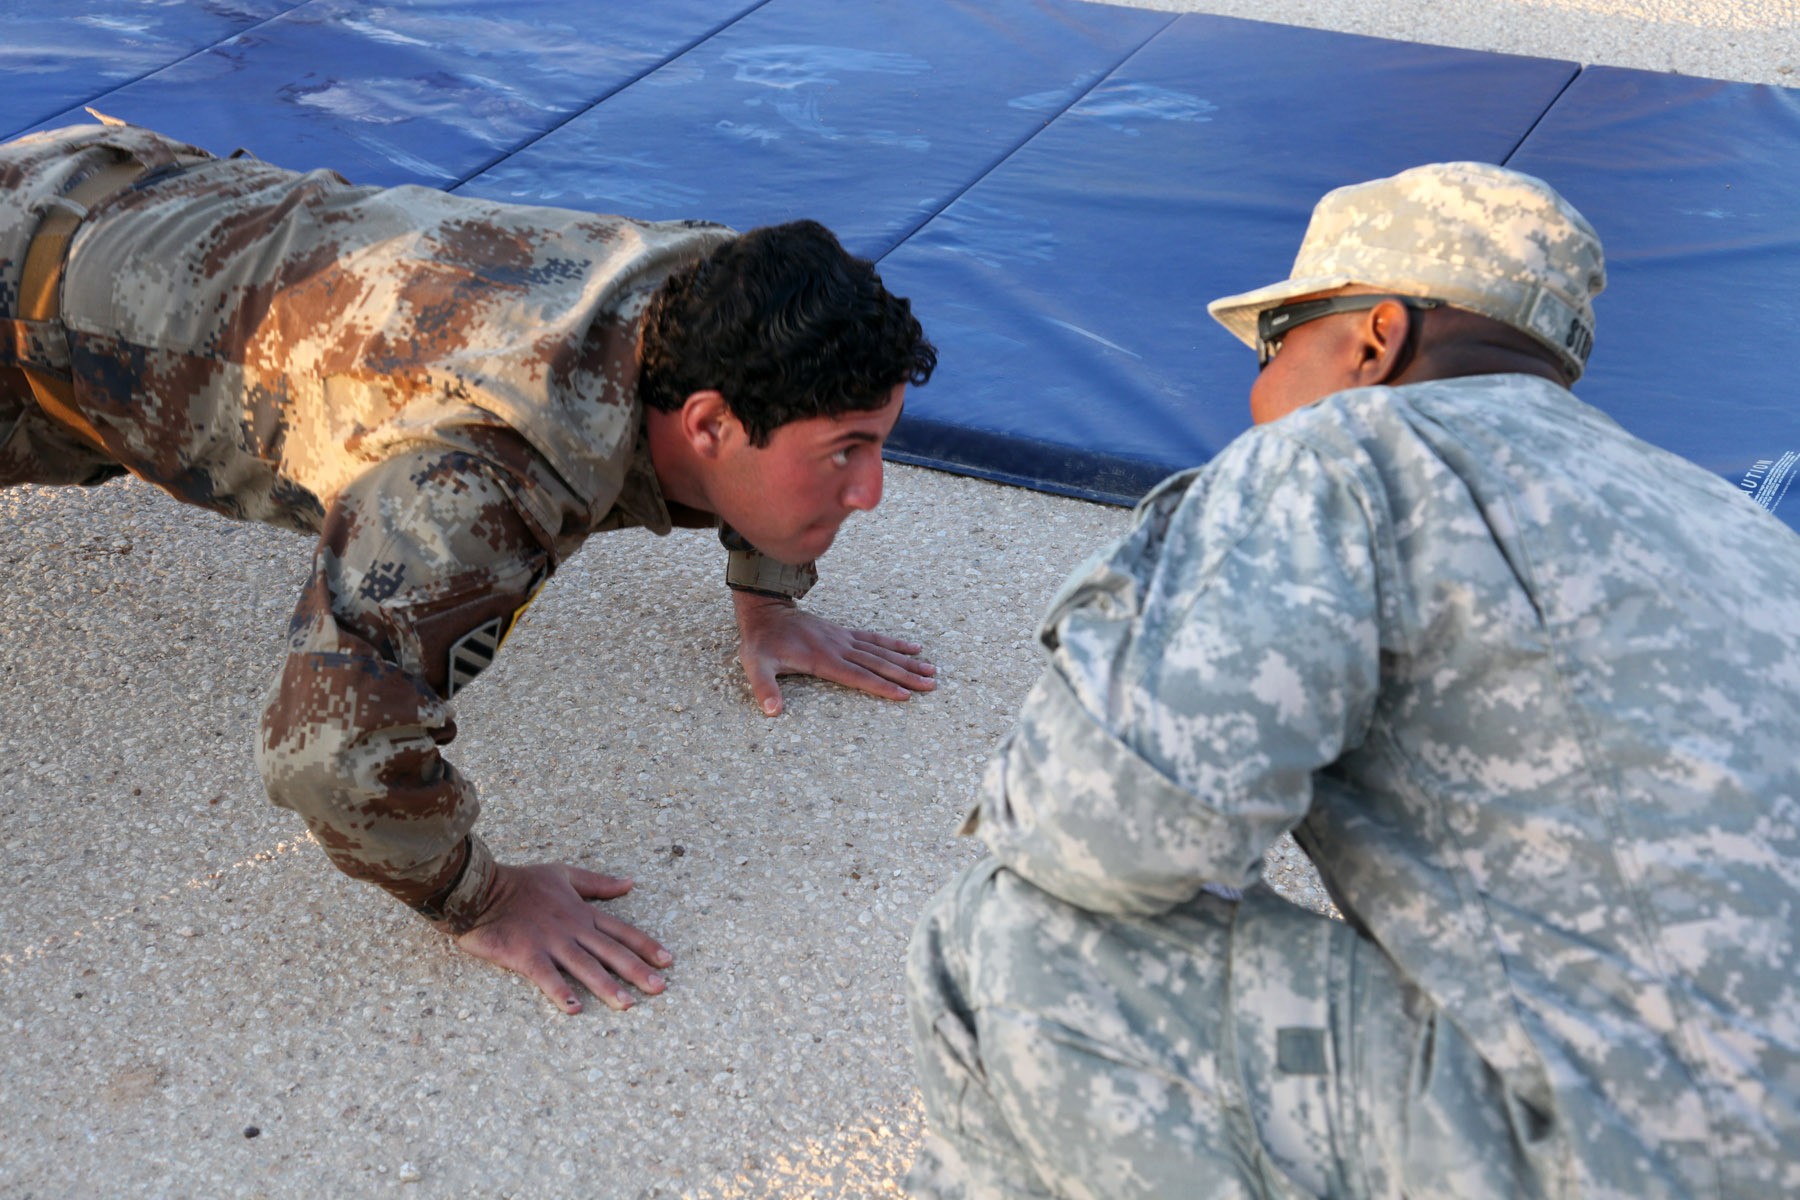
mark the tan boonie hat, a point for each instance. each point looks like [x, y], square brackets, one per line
[1473, 235]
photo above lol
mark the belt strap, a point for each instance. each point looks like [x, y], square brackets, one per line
[40, 283]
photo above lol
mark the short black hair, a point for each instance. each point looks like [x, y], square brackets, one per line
[784, 323]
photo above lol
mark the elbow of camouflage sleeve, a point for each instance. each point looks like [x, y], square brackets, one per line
[367, 774]
[411, 838]
[1069, 807]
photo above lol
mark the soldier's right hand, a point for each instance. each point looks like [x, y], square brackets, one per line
[538, 923]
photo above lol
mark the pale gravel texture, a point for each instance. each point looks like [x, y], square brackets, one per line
[1753, 41]
[178, 963]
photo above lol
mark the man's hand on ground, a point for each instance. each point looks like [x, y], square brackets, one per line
[539, 923]
[777, 637]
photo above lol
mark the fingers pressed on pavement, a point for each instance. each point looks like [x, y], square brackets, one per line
[888, 643]
[901, 658]
[585, 965]
[853, 674]
[642, 946]
[605, 968]
[893, 672]
[542, 971]
[591, 885]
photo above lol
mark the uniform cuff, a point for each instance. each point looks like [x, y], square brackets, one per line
[751, 571]
[457, 909]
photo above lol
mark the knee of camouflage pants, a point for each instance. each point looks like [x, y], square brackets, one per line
[1046, 1056]
[1248, 1049]
[969, 1152]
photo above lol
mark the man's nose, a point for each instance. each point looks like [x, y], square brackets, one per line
[864, 490]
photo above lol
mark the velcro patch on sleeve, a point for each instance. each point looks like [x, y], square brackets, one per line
[461, 640]
[1301, 1051]
[474, 652]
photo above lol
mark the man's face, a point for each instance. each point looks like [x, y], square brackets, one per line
[789, 497]
[1313, 362]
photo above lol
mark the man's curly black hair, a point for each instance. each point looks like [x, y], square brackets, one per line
[786, 324]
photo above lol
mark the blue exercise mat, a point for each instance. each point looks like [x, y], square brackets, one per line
[869, 117]
[1061, 187]
[1694, 187]
[417, 92]
[1067, 291]
[53, 59]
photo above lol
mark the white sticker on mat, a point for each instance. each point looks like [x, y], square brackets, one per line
[1767, 481]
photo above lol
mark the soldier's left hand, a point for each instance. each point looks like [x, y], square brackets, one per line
[539, 924]
[777, 637]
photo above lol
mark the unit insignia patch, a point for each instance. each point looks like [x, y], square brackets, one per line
[471, 653]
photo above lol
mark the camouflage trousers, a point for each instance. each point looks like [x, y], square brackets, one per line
[1228, 1048]
[35, 449]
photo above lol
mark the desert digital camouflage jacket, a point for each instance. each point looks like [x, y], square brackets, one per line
[1527, 690]
[442, 389]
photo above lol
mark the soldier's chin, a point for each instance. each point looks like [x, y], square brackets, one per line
[810, 544]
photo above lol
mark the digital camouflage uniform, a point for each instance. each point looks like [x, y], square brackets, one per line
[1527, 690]
[441, 390]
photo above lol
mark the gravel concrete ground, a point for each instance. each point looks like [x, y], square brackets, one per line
[192, 1003]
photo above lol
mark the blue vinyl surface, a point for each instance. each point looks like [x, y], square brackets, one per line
[1059, 186]
[1694, 187]
[53, 59]
[869, 125]
[1067, 291]
[411, 92]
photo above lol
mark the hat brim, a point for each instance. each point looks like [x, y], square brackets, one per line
[1238, 313]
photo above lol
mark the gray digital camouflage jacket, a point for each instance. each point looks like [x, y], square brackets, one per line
[1527, 690]
[443, 390]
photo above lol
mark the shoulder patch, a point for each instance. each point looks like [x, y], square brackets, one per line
[472, 653]
[475, 651]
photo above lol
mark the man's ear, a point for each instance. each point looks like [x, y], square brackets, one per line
[1382, 341]
[707, 423]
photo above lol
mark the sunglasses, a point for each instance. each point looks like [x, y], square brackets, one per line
[1273, 324]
